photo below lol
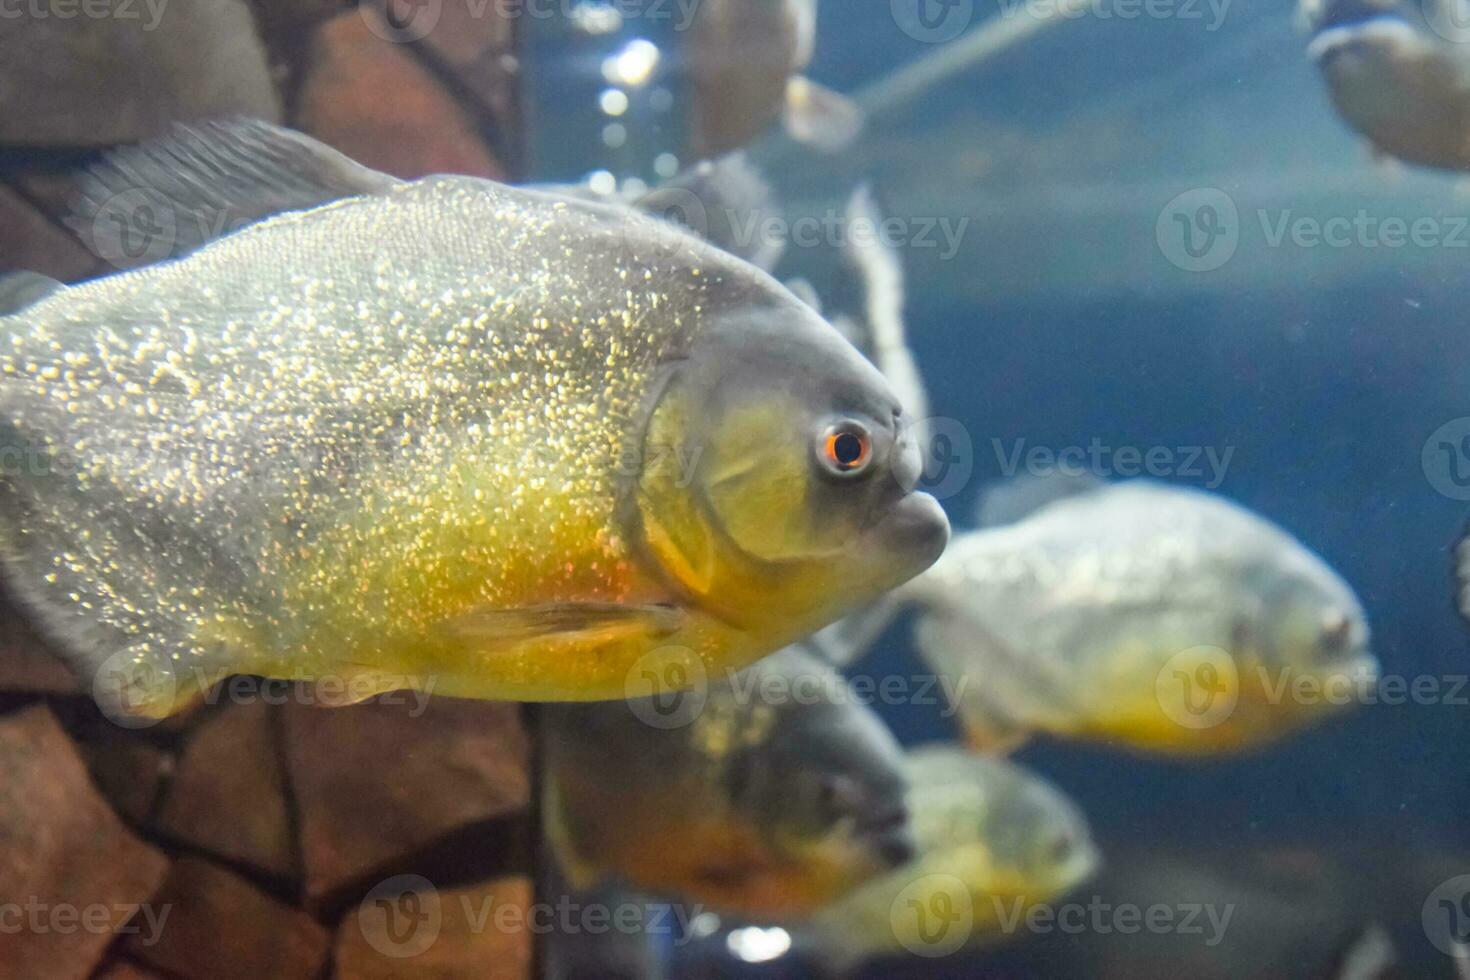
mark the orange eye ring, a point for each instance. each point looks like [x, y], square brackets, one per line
[847, 449]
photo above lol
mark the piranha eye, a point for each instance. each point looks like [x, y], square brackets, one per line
[846, 448]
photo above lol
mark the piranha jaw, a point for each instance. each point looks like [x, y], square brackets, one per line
[737, 512]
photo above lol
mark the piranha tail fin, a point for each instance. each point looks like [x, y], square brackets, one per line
[820, 117]
[21, 290]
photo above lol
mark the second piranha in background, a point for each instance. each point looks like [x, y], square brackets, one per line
[1138, 614]
[768, 795]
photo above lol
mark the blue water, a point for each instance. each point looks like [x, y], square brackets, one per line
[1323, 370]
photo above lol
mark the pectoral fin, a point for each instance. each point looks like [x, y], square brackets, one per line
[591, 622]
[820, 117]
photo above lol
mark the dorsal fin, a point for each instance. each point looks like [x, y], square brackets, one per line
[725, 202]
[209, 179]
[1012, 500]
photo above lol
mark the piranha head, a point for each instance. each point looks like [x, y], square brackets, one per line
[1039, 839]
[1308, 634]
[777, 486]
[826, 790]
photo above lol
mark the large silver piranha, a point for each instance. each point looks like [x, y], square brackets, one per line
[442, 432]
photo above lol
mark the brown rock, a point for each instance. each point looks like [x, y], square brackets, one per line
[123, 970]
[475, 41]
[376, 781]
[220, 927]
[373, 101]
[32, 241]
[129, 771]
[63, 853]
[407, 928]
[26, 665]
[228, 797]
[283, 16]
[90, 81]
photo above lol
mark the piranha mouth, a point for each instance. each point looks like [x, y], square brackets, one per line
[906, 524]
[891, 836]
[913, 530]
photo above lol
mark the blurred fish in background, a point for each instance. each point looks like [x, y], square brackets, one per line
[745, 59]
[1398, 72]
[994, 842]
[767, 794]
[1138, 615]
